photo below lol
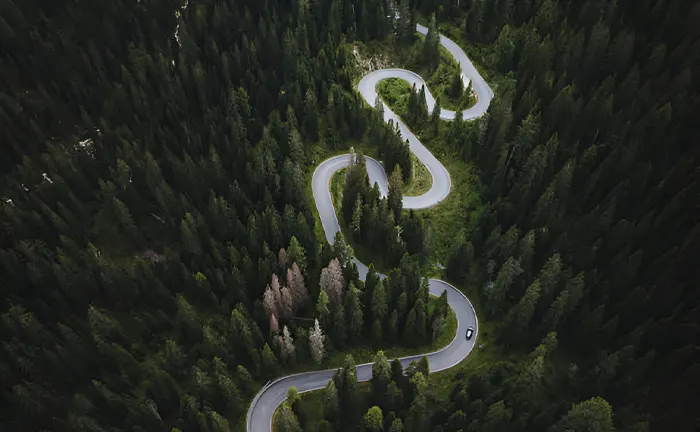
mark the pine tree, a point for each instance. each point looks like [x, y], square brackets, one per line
[395, 198]
[435, 119]
[342, 250]
[393, 326]
[396, 426]
[379, 308]
[592, 415]
[456, 85]
[556, 311]
[412, 107]
[406, 28]
[497, 291]
[411, 328]
[296, 254]
[519, 318]
[550, 275]
[497, 417]
[422, 105]
[346, 382]
[379, 108]
[331, 403]
[322, 311]
[373, 419]
[381, 376]
[339, 331]
[356, 221]
[417, 417]
[269, 361]
[431, 46]
[353, 313]
[286, 420]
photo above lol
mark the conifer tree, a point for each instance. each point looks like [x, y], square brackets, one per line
[381, 377]
[296, 254]
[456, 85]
[395, 198]
[316, 342]
[431, 45]
[286, 420]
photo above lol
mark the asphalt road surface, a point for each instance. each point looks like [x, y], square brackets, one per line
[273, 394]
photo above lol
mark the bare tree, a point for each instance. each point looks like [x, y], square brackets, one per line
[269, 302]
[316, 342]
[287, 345]
[287, 304]
[295, 282]
[274, 325]
[333, 283]
[275, 286]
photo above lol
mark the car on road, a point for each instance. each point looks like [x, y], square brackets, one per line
[470, 332]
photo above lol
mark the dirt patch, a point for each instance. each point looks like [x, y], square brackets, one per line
[370, 63]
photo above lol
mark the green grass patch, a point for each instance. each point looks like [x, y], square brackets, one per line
[420, 181]
[395, 93]
[337, 184]
[457, 214]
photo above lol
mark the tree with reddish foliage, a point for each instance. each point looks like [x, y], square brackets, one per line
[286, 304]
[269, 302]
[274, 325]
[295, 282]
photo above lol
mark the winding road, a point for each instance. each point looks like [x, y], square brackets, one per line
[265, 403]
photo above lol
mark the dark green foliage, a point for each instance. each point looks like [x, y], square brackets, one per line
[157, 179]
[583, 218]
[376, 222]
[149, 183]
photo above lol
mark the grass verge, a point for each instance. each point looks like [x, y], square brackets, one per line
[420, 181]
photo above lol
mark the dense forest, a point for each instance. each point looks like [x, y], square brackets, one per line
[158, 245]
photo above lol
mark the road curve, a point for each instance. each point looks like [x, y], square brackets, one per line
[265, 403]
